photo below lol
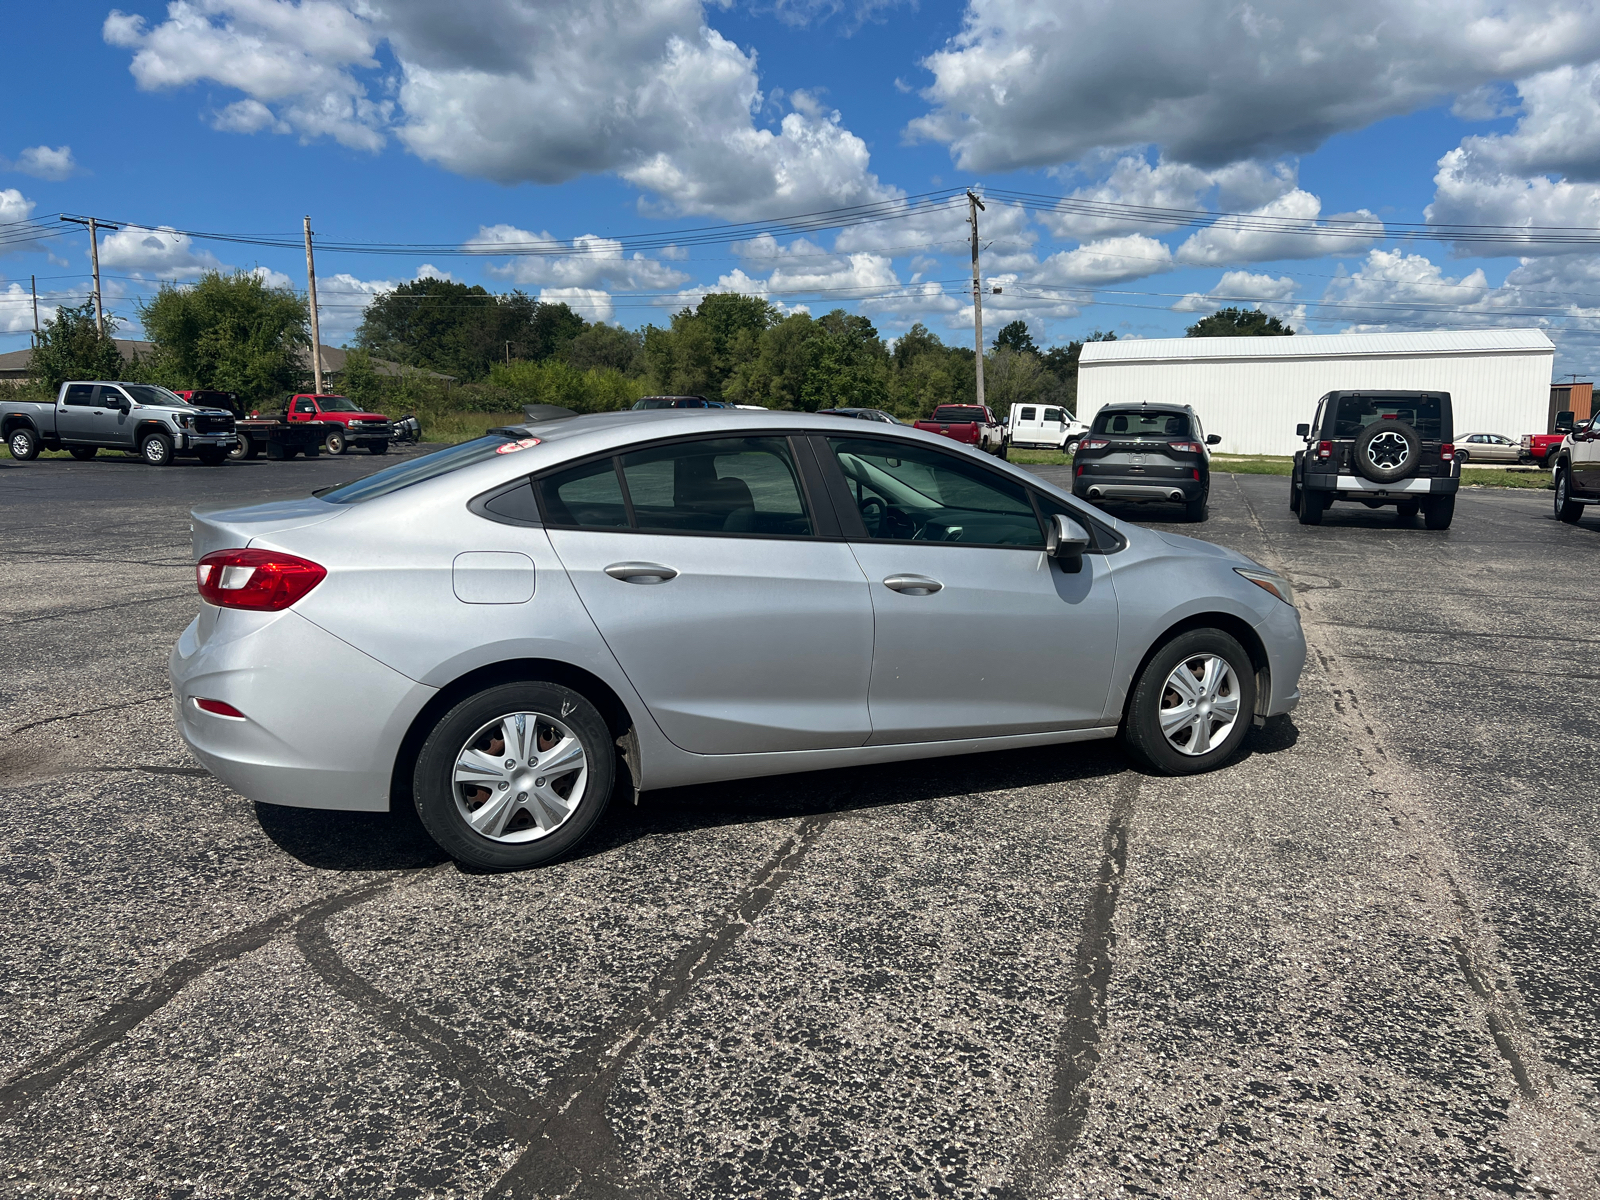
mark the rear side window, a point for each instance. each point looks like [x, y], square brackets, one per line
[1030, 414]
[1143, 424]
[1422, 413]
[589, 495]
[79, 395]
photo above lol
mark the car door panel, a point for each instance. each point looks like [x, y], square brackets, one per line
[111, 426]
[75, 413]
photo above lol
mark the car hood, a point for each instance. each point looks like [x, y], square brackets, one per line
[218, 528]
[1195, 546]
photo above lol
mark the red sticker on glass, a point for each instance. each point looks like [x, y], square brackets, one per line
[519, 444]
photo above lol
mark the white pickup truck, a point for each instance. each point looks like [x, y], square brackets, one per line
[140, 418]
[1044, 425]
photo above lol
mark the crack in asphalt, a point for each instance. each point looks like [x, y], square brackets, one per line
[57, 614]
[88, 712]
[1066, 1105]
[1419, 631]
[50, 1068]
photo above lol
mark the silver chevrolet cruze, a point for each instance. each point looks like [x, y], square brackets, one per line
[503, 631]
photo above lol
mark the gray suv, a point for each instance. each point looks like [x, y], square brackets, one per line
[88, 417]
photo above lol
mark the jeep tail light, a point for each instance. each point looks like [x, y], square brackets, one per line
[1447, 452]
[1187, 447]
[260, 580]
[1093, 444]
[1324, 449]
[218, 708]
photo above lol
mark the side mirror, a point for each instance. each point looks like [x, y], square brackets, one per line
[124, 406]
[1564, 421]
[1065, 541]
[1213, 439]
[1302, 430]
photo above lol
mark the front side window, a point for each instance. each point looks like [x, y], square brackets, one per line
[109, 396]
[304, 406]
[910, 493]
[1053, 414]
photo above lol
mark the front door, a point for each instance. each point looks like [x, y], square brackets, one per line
[110, 425]
[700, 564]
[977, 632]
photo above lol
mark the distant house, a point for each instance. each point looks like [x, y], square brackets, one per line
[14, 366]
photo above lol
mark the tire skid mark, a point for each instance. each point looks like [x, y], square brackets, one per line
[1066, 1104]
[50, 1068]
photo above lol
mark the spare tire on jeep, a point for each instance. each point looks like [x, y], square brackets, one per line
[1387, 451]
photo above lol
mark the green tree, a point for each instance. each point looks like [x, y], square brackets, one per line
[71, 346]
[607, 347]
[849, 367]
[360, 381]
[1239, 322]
[1012, 377]
[229, 332]
[1015, 336]
[708, 345]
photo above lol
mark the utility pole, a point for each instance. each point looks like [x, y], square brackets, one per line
[94, 258]
[316, 330]
[33, 286]
[973, 205]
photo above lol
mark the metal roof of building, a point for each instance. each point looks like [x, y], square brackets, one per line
[1454, 341]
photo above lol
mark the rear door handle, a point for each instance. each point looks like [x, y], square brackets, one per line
[641, 572]
[912, 585]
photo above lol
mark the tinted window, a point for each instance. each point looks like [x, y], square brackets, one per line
[304, 406]
[587, 495]
[1143, 424]
[915, 493]
[959, 414]
[429, 466]
[110, 397]
[1030, 414]
[337, 404]
[726, 485]
[1355, 413]
[79, 395]
[1053, 414]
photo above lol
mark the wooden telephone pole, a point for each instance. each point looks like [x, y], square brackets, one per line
[316, 330]
[973, 205]
[94, 228]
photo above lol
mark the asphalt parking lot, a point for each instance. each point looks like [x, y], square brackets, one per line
[1361, 961]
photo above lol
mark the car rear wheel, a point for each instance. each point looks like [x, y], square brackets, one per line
[378, 447]
[23, 444]
[1192, 705]
[1407, 510]
[212, 456]
[1311, 507]
[1196, 510]
[83, 453]
[1567, 509]
[156, 449]
[515, 776]
[1463, 456]
[1437, 511]
[244, 448]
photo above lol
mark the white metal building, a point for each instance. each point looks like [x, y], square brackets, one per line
[1252, 391]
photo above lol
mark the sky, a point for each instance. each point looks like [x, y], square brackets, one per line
[1372, 165]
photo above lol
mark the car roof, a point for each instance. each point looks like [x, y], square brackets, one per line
[1126, 406]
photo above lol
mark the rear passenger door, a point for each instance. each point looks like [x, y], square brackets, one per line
[706, 567]
[75, 414]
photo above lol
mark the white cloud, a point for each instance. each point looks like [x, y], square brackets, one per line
[1029, 84]
[1396, 290]
[274, 279]
[1486, 103]
[802, 266]
[1133, 181]
[15, 207]
[1246, 289]
[342, 301]
[1469, 192]
[1558, 134]
[16, 309]
[592, 304]
[516, 92]
[1287, 227]
[1109, 260]
[44, 163]
[160, 253]
[584, 262]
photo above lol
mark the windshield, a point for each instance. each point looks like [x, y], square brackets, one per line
[148, 393]
[429, 466]
[337, 404]
[1422, 413]
[1142, 424]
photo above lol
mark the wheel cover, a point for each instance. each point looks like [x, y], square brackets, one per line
[1389, 451]
[1199, 704]
[19, 444]
[154, 450]
[520, 777]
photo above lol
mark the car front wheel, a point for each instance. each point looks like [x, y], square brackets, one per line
[156, 449]
[334, 443]
[1192, 705]
[515, 776]
[1567, 509]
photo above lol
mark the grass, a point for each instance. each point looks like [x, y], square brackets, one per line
[454, 427]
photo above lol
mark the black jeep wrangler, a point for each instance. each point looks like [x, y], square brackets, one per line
[1378, 448]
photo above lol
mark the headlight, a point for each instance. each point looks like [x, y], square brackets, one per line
[1268, 581]
[185, 420]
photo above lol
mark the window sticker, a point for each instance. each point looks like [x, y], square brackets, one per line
[519, 444]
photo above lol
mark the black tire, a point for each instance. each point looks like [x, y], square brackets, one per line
[1004, 453]
[212, 456]
[1312, 506]
[1437, 511]
[1387, 451]
[378, 447]
[156, 450]
[1195, 511]
[244, 448]
[1149, 696]
[335, 442]
[23, 443]
[1463, 457]
[83, 453]
[1567, 509]
[1407, 510]
[434, 786]
[1294, 497]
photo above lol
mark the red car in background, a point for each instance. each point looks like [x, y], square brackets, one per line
[359, 428]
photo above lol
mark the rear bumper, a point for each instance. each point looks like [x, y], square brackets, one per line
[1137, 488]
[1359, 485]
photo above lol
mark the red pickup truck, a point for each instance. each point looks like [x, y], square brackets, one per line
[1543, 446]
[973, 424]
[358, 428]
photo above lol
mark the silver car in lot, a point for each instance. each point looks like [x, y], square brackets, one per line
[505, 632]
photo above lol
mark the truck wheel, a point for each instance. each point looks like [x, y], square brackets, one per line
[244, 448]
[213, 456]
[82, 453]
[378, 447]
[1312, 506]
[334, 443]
[1567, 509]
[156, 449]
[515, 776]
[1192, 705]
[24, 444]
[1004, 453]
[1437, 511]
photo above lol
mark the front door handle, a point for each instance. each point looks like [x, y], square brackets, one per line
[641, 572]
[912, 585]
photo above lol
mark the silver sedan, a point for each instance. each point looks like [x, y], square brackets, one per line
[508, 632]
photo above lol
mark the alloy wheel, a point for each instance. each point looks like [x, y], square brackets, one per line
[1388, 451]
[1199, 704]
[520, 777]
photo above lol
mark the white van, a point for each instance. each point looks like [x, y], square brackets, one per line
[1045, 425]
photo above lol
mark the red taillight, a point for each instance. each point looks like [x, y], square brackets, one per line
[1197, 472]
[218, 708]
[1447, 452]
[1086, 444]
[1080, 469]
[1324, 449]
[1187, 447]
[261, 580]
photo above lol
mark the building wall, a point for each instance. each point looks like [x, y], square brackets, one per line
[1254, 404]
